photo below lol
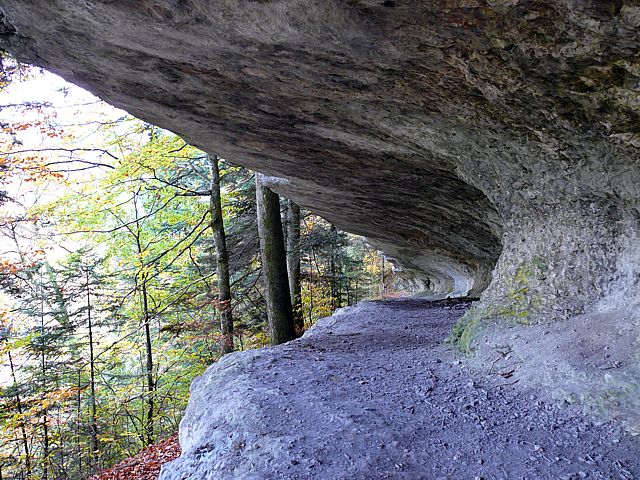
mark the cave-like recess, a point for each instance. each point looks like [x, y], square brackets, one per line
[489, 147]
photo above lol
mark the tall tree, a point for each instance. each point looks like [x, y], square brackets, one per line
[146, 320]
[382, 286]
[92, 371]
[274, 264]
[43, 371]
[21, 423]
[333, 277]
[222, 257]
[293, 262]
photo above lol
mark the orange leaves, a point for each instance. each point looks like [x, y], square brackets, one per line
[4, 324]
[26, 162]
[20, 127]
[146, 464]
[56, 397]
[9, 267]
[31, 167]
[36, 172]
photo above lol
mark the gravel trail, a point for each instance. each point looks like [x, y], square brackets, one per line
[373, 393]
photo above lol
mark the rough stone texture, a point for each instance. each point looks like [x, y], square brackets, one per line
[562, 260]
[433, 128]
[462, 137]
[592, 360]
[372, 393]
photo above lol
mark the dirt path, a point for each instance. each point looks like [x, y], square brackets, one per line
[373, 393]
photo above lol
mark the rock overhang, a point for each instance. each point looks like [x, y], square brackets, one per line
[440, 130]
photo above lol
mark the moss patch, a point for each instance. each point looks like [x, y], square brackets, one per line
[467, 329]
[518, 306]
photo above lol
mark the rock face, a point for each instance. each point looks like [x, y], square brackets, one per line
[489, 146]
[440, 130]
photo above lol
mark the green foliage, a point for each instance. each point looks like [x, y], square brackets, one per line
[121, 269]
[467, 329]
[338, 269]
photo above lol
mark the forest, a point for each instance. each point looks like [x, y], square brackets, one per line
[130, 261]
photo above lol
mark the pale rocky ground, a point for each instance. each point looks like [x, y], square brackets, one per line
[374, 393]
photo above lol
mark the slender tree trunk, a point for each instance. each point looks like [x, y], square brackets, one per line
[311, 284]
[335, 301]
[45, 434]
[92, 375]
[356, 291]
[23, 430]
[78, 423]
[222, 257]
[149, 364]
[293, 264]
[274, 265]
[146, 318]
[45, 418]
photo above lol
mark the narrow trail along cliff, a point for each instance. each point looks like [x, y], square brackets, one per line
[373, 392]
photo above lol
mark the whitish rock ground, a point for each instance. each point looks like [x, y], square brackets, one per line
[373, 393]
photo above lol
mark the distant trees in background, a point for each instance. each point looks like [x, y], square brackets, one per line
[127, 268]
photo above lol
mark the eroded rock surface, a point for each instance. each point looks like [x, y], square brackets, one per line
[489, 146]
[439, 130]
[372, 393]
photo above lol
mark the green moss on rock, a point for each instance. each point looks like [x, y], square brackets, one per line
[518, 306]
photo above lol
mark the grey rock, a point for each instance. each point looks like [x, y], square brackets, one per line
[487, 147]
[442, 131]
[234, 427]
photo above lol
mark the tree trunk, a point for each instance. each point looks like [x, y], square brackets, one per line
[146, 318]
[149, 363]
[92, 373]
[79, 456]
[23, 430]
[293, 264]
[347, 287]
[45, 417]
[356, 291]
[222, 258]
[274, 265]
[335, 301]
[310, 294]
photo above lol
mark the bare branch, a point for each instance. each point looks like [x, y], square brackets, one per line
[85, 162]
[60, 149]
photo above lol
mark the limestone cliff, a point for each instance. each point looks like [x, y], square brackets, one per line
[489, 146]
[440, 130]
